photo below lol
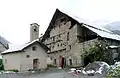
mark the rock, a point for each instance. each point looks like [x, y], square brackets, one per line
[96, 67]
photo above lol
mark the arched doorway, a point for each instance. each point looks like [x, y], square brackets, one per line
[35, 64]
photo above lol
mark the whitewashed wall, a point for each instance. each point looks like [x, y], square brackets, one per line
[19, 60]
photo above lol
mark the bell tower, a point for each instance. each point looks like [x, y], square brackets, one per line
[34, 31]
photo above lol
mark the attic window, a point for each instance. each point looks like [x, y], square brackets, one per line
[62, 19]
[34, 48]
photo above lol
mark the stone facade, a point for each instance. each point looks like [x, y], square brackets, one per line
[66, 39]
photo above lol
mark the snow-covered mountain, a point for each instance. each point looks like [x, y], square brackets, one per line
[114, 26]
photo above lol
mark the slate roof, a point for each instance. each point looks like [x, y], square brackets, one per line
[22, 47]
[83, 21]
[97, 29]
[103, 33]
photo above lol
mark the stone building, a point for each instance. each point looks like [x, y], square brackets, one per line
[66, 36]
[29, 56]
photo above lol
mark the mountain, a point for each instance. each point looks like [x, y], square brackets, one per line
[4, 42]
[116, 31]
[114, 27]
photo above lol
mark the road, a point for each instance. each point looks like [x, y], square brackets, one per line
[62, 74]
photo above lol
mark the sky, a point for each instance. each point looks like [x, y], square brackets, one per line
[17, 15]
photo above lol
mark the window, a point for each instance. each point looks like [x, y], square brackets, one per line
[61, 44]
[70, 61]
[27, 56]
[67, 36]
[55, 61]
[58, 45]
[53, 38]
[62, 19]
[35, 30]
[69, 46]
[34, 48]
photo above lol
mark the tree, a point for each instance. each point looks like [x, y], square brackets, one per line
[97, 52]
[1, 65]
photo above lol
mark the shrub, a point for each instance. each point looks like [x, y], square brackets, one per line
[97, 52]
[1, 65]
[14, 70]
[113, 72]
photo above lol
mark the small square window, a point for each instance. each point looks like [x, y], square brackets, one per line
[27, 56]
[34, 48]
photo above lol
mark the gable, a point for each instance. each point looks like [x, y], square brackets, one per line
[27, 45]
[35, 47]
[58, 19]
[102, 32]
